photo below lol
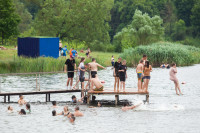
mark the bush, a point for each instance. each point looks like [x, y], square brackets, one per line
[164, 52]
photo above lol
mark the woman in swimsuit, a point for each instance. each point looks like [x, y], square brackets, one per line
[173, 78]
[65, 111]
[146, 78]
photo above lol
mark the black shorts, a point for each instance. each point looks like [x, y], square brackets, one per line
[146, 77]
[82, 79]
[70, 74]
[116, 74]
[93, 74]
[122, 78]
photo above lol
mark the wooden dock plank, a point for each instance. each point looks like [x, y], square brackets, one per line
[110, 91]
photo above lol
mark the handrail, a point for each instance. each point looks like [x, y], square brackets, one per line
[32, 73]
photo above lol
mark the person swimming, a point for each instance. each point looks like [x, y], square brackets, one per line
[77, 113]
[28, 108]
[54, 104]
[65, 111]
[127, 107]
[21, 100]
[10, 109]
[22, 112]
[54, 113]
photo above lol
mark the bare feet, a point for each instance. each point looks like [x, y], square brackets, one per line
[177, 94]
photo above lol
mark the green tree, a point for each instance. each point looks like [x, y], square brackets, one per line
[9, 20]
[195, 17]
[179, 31]
[184, 8]
[26, 17]
[79, 20]
[143, 28]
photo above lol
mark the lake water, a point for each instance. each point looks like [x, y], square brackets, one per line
[165, 113]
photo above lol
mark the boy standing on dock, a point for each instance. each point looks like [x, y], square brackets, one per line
[122, 74]
[139, 71]
[116, 73]
[70, 66]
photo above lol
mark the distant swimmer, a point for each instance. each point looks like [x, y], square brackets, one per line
[21, 100]
[139, 71]
[54, 104]
[22, 112]
[54, 113]
[28, 108]
[173, 78]
[71, 118]
[74, 99]
[93, 66]
[162, 66]
[127, 107]
[10, 109]
[77, 113]
[65, 111]
[122, 74]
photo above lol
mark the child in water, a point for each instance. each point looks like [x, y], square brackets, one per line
[122, 74]
[21, 100]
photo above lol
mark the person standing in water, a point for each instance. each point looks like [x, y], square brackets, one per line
[112, 61]
[116, 73]
[139, 71]
[172, 73]
[21, 100]
[122, 74]
[70, 66]
[146, 78]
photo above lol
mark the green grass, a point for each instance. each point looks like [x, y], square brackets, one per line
[164, 52]
[11, 63]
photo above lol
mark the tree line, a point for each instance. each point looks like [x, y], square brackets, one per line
[102, 24]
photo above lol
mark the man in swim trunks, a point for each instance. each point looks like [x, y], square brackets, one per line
[93, 66]
[139, 71]
[97, 83]
[116, 73]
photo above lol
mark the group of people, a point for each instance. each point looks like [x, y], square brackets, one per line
[21, 102]
[63, 51]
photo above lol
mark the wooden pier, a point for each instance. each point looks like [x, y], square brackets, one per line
[46, 92]
[110, 91]
[107, 91]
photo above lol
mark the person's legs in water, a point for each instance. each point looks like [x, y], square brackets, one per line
[176, 87]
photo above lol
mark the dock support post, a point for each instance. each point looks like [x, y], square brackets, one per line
[116, 99]
[88, 98]
[48, 97]
[8, 98]
[39, 83]
[5, 99]
[147, 98]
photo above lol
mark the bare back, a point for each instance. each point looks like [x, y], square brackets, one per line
[94, 66]
[139, 68]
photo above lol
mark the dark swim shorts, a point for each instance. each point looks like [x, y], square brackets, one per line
[93, 74]
[70, 74]
[82, 79]
[100, 89]
[146, 77]
[122, 78]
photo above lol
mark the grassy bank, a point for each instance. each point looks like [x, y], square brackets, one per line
[11, 63]
[163, 52]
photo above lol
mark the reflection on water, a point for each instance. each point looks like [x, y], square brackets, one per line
[166, 112]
